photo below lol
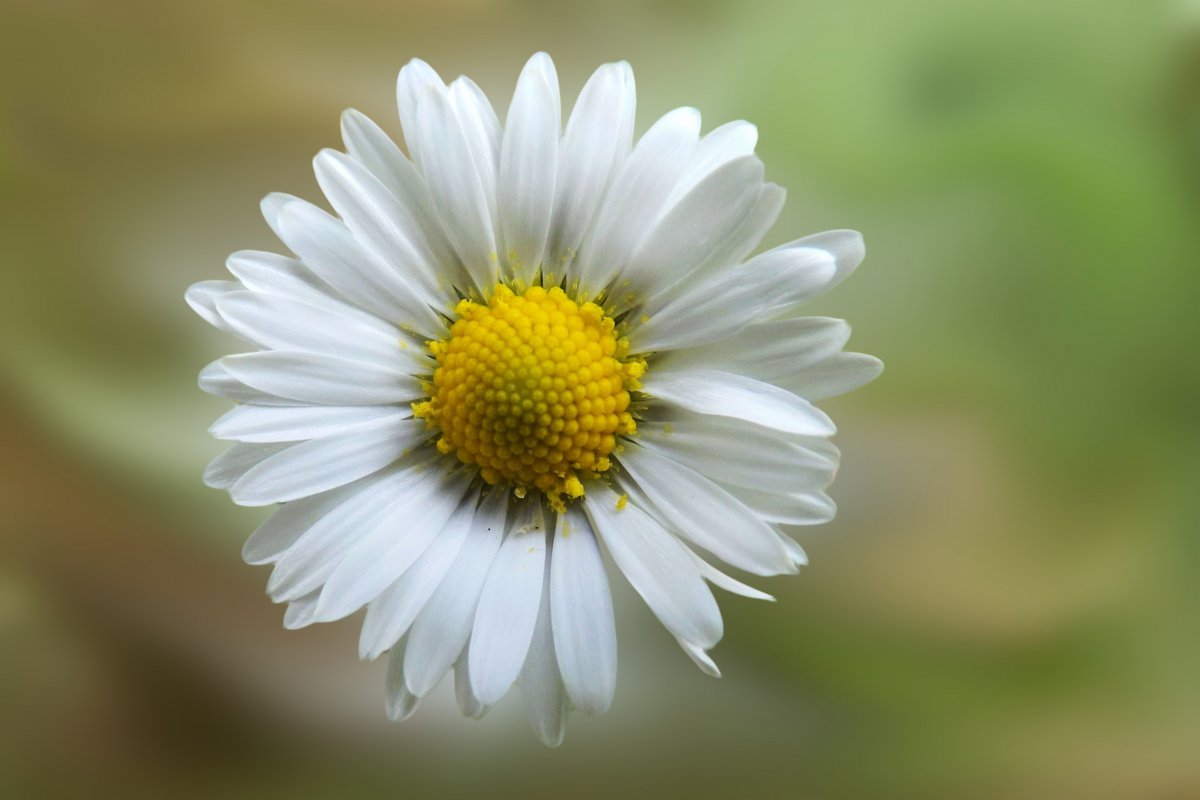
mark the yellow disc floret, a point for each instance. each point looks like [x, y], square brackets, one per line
[534, 389]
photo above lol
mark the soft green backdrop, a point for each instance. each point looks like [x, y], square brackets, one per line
[1007, 606]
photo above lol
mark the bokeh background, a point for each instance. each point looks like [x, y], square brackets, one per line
[1008, 603]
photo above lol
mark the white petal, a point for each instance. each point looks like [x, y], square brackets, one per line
[481, 131]
[452, 175]
[481, 134]
[442, 628]
[279, 323]
[250, 423]
[329, 248]
[385, 553]
[749, 233]
[769, 351]
[271, 273]
[374, 149]
[317, 378]
[529, 166]
[597, 138]
[401, 703]
[799, 557]
[216, 380]
[638, 195]
[704, 513]
[839, 374]
[657, 566]
[321, 464]
[801, 508]
[585, 636]
[718, 578]
[508, 608]
[721, 145]
[299, 613]
[415, 79]
[202, 297]
[545, 698]
[390, 615]
[732, 451]
[847, 248]
[702, 659]
[468, 703]
[273, 539]
[701, 220]
[718, 307]
[271, 205]
[225, 470]
[317, 552]
[380, 221]
[727, 395]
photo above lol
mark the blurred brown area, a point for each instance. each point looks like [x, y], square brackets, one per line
[1006, 606]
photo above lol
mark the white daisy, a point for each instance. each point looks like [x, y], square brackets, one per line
[521, 346]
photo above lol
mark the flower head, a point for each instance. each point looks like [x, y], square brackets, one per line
[524, 343]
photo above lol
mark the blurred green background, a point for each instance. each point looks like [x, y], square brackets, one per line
[1007, 605]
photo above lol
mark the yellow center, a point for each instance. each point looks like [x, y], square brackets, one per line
[534, 389]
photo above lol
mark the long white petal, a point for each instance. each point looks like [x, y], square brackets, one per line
[800, 508]
[585, 635]
[271, 273]
[839, 374]
[380, 221]
[309, 561]
[541, 683]
[470, 705]
[769, 351]
[482, 134]
[727, 395]
[202, 297]
[508, 607]
[299, 613]
[329, 248]
[215, 379]
[323, 379]
[529, 166]
[705, 514]
[634, 202]
[845, 246]
[225, 470]
[414, 80]
[687, 233]
[722, 144]
[279, 323]
[400, 702]
[454, 184]
[384, 554]
[597, 137]
[441, 630]
[720, 579]
[326, 463]
[271, 205]
[370, 146]
[393, 611]
[749, 234]
[273, 539]
[732, 451]
[251, 423]
[658, 567]
[719, 307]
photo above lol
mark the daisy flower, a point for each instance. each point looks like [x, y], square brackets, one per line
[520, 346]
